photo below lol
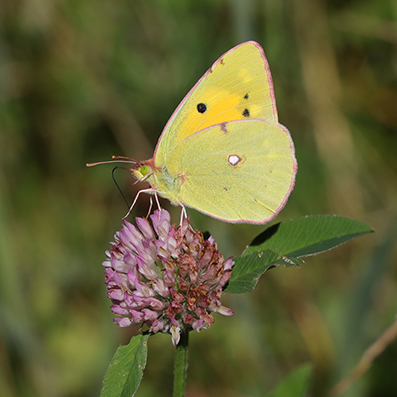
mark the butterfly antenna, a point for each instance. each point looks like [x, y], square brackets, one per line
[116, 159]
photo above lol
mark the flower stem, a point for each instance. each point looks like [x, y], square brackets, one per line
[181, 364]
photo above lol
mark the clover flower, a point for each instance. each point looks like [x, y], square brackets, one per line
[169, 278]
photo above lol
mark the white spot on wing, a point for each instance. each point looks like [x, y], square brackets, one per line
[234, 159]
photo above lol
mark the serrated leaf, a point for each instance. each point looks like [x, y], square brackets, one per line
[309, 235]
[296, 383]
[247, 269]
[125, 371]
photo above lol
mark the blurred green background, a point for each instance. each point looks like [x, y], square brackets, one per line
[83, 80]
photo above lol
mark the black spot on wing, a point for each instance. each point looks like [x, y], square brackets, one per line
[201, 107]
[246, 113]
[246, 96]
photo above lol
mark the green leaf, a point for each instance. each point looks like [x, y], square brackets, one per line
[249, 268]
[285, 242]
[125, 371]
[309, 235]
[296, 383]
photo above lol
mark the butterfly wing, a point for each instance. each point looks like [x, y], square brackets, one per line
[240, 171]
[237, 86]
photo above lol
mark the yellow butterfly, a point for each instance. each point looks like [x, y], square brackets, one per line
[223, 151]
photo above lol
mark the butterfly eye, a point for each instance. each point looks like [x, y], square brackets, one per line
[201, 107]
[144, 170]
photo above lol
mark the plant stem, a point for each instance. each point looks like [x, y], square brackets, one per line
[181, 364]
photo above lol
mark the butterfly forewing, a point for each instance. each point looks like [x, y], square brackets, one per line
[237, 87]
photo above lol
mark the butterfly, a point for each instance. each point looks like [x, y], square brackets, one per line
[223, 152]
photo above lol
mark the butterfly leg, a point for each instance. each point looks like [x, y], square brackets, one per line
[158, 204]
[156, 197]
[150, 208]
[136, 198]
[183, 214]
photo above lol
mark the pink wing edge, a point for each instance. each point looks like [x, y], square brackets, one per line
[269, 76]
[269, 79]
[291, 186]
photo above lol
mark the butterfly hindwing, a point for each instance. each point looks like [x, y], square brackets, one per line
[241, 171]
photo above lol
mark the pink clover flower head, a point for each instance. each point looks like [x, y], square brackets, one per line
[169, 278]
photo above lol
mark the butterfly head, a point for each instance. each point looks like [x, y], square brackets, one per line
[142, 172]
